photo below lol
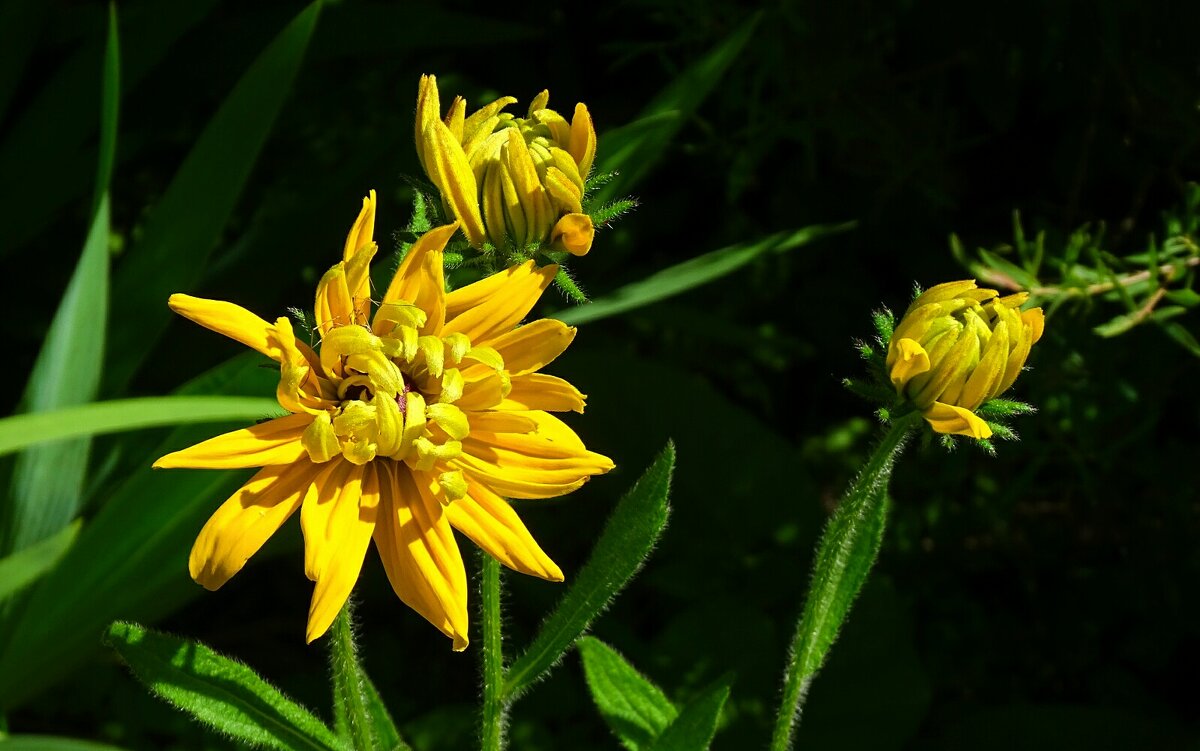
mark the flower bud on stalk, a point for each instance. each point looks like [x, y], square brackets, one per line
[505, 178]
[957, 346]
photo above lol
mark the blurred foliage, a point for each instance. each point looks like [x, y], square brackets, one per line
[1038, 599]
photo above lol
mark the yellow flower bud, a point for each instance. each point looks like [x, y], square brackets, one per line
[505, 178]
[957, 346]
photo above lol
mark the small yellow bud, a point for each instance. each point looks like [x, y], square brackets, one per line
[957, 346]
[508, 179]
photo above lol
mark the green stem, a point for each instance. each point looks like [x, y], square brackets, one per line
[495, 709]
[347, 682]
[845, 555]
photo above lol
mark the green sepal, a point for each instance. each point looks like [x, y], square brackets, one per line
[994, 408]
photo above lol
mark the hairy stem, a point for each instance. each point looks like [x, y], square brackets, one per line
[495, 708]
[347, 682]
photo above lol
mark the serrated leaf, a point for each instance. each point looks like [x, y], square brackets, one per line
[627, 540]
[120, 415]
[27, 565]
[635, 709]
[694, 273]
[51, 743]
[633, 151]
[219, 691]
[186, 224]
[694, 728]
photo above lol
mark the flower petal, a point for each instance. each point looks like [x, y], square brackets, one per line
[419, 554]
[272, 442]
[573, 233]
[420, 280]
[329, 513]
[452, 174]
[346, 552]
[543, 392]
[429, 109]
[334, 305]
[494, 305]
[247, 520]
[910, 360]
[583, 139]
[947, 418]
[362, 233]
[229, 319]
[494, 526]
[529, 348]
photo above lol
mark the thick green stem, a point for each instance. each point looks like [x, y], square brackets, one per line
[845, 555]
[495, 709]
[347, 682]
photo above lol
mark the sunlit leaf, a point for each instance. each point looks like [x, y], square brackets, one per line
[635, 709]
[696, 724]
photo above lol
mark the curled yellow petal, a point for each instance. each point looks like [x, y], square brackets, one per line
[953, 420]
[573, 233]
[420, 281]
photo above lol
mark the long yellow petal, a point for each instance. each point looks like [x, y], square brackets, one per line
[229, 319]
[334, 305]
[247, 520]
[494, 305]
[340, 572]
[990, 370]
[329, 512]
[476, 127]
[543, 392]
[534, 201]
[483, 392]
[528, 348]
[421, 559]
[429, 109]
[566, 194]
[362, 233]
[947, 418]
[583, 139]
[272, 442]
[420, 281]
[494, 526]
[452, 174]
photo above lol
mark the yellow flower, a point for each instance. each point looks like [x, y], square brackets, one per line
[507, 178]
[403, 426]
[957, 346]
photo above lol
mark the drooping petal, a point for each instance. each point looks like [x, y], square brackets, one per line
[583, 139]
[229, 319]
[346, 551]
[494, 305]
[947, 418]
[272, 442]
[421, 559]
[543, 392]
[494, 526]
[247, 520]
[420, 281]
[573, 233]
[452, 174]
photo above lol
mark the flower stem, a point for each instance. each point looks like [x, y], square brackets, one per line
[348, 696]
[845, 555]
[495, 708]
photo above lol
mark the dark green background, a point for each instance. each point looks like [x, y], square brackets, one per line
[1041, 599]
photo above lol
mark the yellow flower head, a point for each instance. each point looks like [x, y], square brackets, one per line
[404, 425]
[508, 178]
[957, 346]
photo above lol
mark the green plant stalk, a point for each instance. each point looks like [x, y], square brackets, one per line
[347, 684]
[495, 708]
[845, 555]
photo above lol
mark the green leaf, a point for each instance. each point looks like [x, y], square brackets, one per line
[694, 728]
[635, 709]
[46, 490]
[634, 149]
[693, 273]
[50, 743]
[218, 691]
[186, 224]
[130, 560]
[1186, 296]
[1000, 267]
[47, 482]
[628, 537]
[360, 717]
[381, 719]
[1176, 331]
[845, 554]
[993, 408]
[26, 566]
[119, 415]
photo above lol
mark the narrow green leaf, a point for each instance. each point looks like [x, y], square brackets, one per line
[50, 743]
[218, 691]
[47, 482]
[1008, 269]
[119, 415]
[628, 537]
[186, 224]
[110, 99]
[130, 560]
[381, 719]
[634, 150]
[694, 728]
[26, 566]
[1185, 296]
[635, 709]
[845, 554]
[1176, 331]
[693, 273]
